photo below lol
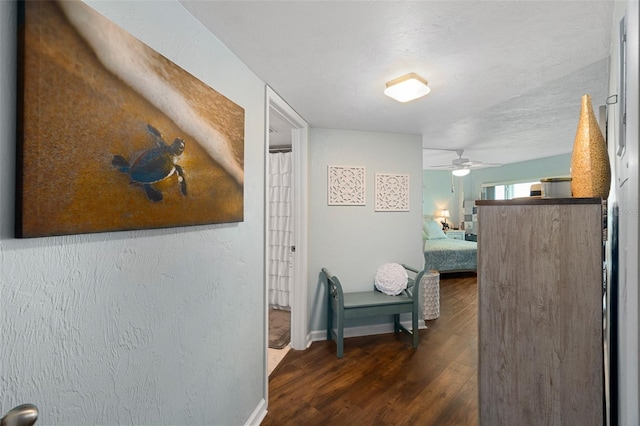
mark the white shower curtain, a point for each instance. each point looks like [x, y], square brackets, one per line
[280, 230]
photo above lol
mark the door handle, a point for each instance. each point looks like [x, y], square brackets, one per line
[22, 415]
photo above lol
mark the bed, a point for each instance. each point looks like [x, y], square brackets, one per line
[445, 254]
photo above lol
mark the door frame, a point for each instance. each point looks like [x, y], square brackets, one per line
[299, 151]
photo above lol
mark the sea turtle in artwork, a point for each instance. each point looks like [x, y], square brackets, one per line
[154, 165]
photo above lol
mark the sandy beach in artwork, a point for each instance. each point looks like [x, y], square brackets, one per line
[77, 115]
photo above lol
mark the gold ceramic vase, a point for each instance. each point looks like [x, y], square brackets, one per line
[590, 169]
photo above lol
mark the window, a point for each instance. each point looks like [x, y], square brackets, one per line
[507, 191]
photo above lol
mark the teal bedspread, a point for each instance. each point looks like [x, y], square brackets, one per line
[448, 254]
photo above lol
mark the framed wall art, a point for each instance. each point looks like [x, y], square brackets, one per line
[346, 186]
[392, 192]
[114, 136]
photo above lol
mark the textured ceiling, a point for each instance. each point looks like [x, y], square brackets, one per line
[506, 76]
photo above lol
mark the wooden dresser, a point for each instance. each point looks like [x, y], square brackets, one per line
[540, 304]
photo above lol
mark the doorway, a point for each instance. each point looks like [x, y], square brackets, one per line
[287, 131]
[280, 244]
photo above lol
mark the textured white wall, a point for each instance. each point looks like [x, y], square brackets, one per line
[353, 241]
[144, 327]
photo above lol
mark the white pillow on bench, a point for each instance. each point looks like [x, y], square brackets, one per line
[391, 279]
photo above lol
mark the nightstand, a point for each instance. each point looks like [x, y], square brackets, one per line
[455, 234]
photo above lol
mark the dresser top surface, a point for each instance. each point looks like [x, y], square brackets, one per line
[538, 201]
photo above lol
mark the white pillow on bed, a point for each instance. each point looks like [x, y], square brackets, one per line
[433, 230]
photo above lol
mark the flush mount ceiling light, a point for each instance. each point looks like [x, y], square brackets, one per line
[407, 88]
[460, 172]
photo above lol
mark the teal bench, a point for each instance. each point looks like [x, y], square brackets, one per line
[370, 303]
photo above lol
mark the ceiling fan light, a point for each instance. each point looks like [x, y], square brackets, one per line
[407, 88]
[460, 172]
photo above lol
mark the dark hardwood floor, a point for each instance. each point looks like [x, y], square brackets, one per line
[383, 381]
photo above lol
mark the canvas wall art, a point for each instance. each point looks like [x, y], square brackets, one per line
[114, 136]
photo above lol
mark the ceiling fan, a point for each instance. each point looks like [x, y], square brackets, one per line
[462, 166]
